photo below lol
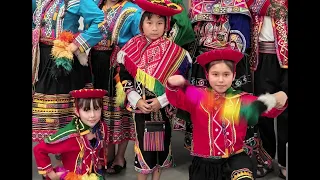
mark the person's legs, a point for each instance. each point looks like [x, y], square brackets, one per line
[156, 174]
[111, 152]
[141, 176]
[119, 159]
[121, 130]
[282, 134]
[267, 79]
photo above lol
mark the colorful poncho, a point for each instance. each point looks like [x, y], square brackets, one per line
[152, 63]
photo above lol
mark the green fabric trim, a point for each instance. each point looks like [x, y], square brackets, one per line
[68, 131]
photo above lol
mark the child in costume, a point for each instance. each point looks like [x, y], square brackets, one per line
[220, 116]
[146, 61]
[217, 24]
[81, 143]
[121, 19]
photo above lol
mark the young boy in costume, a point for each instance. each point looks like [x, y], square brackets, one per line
[146, 62]
[220, 116]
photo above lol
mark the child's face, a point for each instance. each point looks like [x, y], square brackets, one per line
[153, 28]
[220, 77]
[89, 116]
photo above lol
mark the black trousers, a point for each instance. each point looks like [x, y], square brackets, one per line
[270, 77]
[238, 166]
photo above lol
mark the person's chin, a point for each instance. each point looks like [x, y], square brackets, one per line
[220, 89]
[92, 124]
[154, 37]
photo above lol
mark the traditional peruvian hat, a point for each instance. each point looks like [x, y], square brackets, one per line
[88, 93]
[218, 55]
[160, 7]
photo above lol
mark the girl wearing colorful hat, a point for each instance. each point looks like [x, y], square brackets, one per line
[220, 116]
[146, 62]
[81, 143]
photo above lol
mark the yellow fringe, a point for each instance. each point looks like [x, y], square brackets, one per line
[120, 94]
[59, 50]
[92, 176]
[145, 79]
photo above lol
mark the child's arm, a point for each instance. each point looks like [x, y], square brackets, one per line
[128, 86]
[181, 94]
[42, 150]
[268, 105]
[135, 100]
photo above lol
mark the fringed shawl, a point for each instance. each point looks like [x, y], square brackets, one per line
[152, 63]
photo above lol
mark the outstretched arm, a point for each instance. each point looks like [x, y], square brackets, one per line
[268, 105]
[181, 94]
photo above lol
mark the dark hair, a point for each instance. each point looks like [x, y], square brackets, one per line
[230, 64]
[85, 102]
[149, 15]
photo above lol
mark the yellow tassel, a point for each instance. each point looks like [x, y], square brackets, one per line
[120, 94]
[145, 79]
[59, 50]
[92, 176]
[61, 44]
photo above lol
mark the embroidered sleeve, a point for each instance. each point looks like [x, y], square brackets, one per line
[126, 80]
[93, 16]
[239, 37]
[128, 86]
[42, 150]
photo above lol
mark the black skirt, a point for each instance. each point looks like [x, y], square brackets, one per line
[103, 75]
[238, 166]
[47, 84]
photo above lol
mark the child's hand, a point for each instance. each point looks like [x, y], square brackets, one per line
[72, 47]
[155, 104]
[82, 57]
[55, 175]
[176, 80]
[144, 106]
[281, 98]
